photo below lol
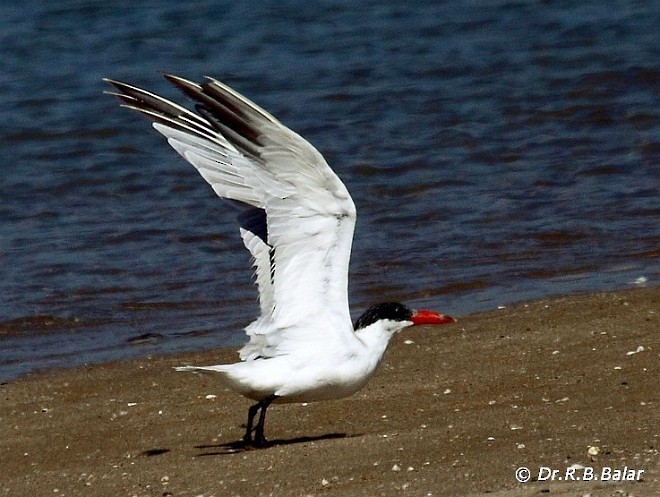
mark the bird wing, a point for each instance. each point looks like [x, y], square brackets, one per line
[297, 217]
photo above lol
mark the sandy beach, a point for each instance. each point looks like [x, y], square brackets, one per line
[559, 384]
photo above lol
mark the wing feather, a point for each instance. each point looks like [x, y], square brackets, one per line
[248, 156]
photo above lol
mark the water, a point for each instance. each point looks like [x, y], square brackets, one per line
[497, 151]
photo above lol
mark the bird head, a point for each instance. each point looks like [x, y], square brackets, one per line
[401, 314]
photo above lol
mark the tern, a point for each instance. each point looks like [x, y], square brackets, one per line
[296, 219]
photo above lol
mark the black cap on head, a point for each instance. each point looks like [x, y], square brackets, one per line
[388, 310]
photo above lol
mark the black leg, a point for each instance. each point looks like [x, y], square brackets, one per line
[259, 439]
[252, 412]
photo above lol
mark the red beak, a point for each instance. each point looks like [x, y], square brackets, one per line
[431, 317]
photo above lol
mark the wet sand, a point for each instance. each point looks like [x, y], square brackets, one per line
[453, 410]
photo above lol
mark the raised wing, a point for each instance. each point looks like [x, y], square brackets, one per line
[297, 220]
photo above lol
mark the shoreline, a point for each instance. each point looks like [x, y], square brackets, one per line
[452, 410]
[35, 347]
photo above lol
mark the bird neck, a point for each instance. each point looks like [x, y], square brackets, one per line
[376, 336]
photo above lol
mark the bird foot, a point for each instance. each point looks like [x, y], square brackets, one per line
[256, 443]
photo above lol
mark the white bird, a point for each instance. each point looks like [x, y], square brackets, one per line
[296, 219]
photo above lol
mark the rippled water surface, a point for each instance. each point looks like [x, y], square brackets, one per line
[497, 151]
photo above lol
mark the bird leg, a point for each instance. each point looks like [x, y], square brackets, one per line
[252, 412]
[259, 439]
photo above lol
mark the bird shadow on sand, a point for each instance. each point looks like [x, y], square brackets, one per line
[241, 446]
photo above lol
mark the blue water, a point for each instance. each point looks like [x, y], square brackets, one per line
[497, 151]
